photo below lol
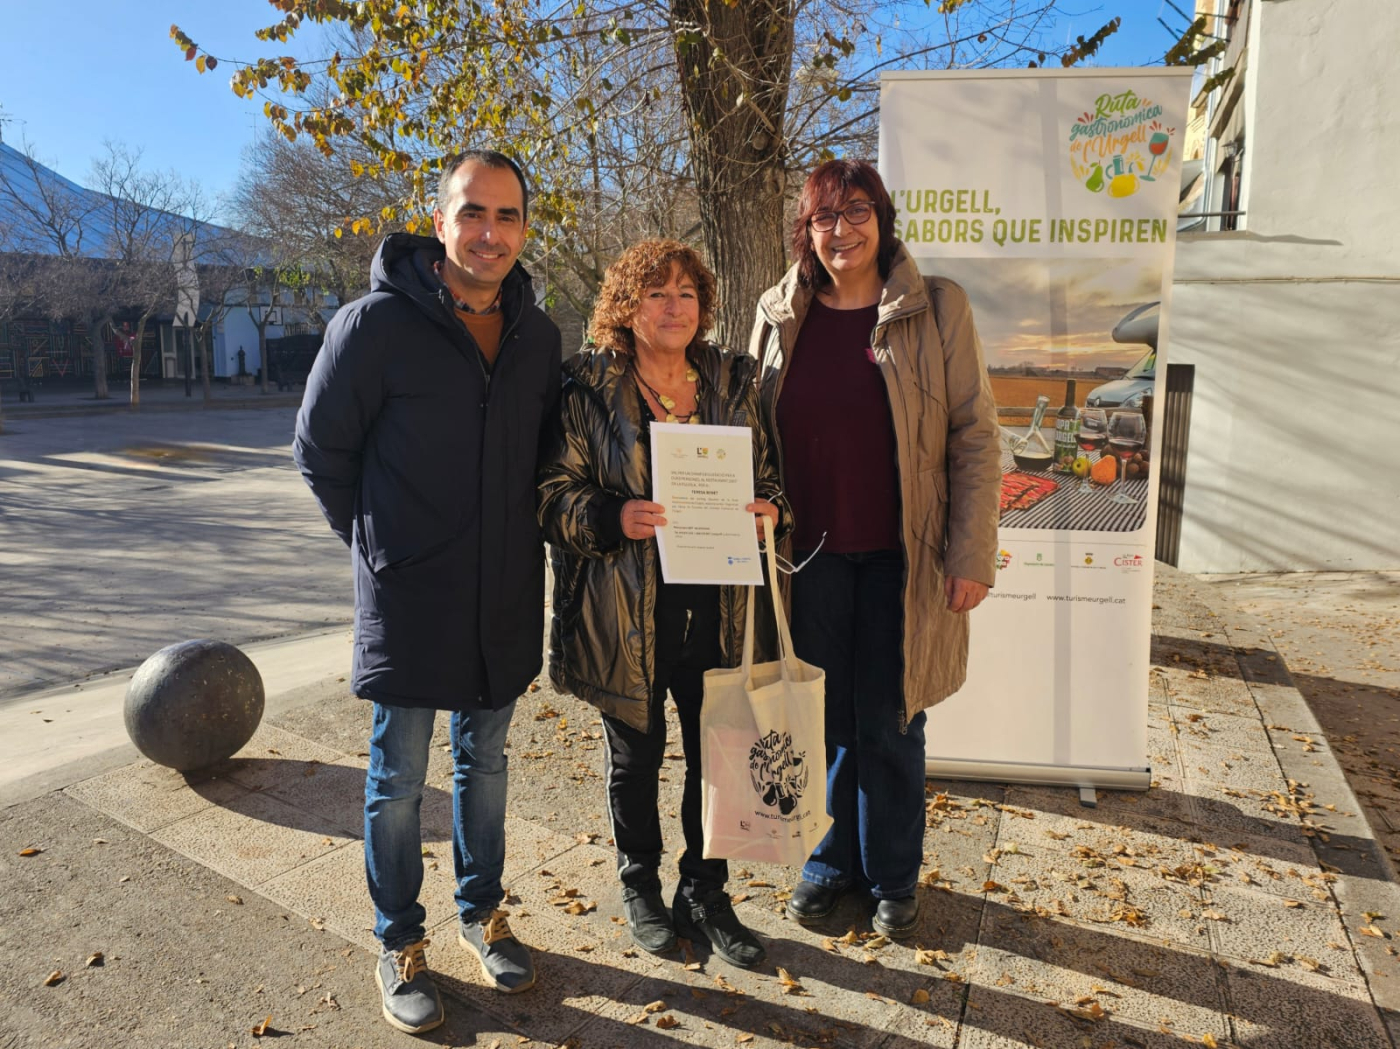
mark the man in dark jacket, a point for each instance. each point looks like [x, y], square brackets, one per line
[418, 437]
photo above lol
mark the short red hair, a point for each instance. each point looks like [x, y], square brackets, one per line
[827, 189]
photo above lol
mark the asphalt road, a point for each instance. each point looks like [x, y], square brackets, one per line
[122, 533]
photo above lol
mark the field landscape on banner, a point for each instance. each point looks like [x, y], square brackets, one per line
[1083, 462]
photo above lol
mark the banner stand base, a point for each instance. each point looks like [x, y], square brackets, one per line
[1040, 775]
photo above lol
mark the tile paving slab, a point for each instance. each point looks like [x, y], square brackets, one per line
[146, 796]
[1257, 924]
[1033, 965]
[1292, 1009]
[253, 839]
[577, 977]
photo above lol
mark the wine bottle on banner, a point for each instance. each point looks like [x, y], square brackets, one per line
[1066, 426]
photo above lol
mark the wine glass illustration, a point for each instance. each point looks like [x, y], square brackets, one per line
[1127, 432]
[1092, 436]
[1157, 145]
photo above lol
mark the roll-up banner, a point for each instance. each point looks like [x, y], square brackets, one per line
[1051, 197]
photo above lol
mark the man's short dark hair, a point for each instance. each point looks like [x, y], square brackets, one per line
[491, 159]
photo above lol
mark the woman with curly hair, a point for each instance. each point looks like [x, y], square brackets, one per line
[621, 637]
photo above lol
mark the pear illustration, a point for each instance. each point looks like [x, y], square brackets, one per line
[1095, 181]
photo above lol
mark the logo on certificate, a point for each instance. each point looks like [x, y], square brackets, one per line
[720, 453]
[702, 453]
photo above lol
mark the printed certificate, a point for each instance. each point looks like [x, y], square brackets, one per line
[703, 476]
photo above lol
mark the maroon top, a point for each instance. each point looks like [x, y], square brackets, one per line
[839, 457]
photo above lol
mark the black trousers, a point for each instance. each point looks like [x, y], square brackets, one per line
[686, 645]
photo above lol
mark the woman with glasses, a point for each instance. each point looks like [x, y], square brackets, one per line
[878, 398]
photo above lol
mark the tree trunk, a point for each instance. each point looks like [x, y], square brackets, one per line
[734, 75]
[99, 356]
[262, 354]
[204, 360]
[136, 344]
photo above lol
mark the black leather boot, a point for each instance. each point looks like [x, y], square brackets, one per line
[712, 920]
[647, 919]
[811, 902]
[896, 917]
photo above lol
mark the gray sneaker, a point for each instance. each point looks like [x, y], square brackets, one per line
[411, 1002]
[504, 960]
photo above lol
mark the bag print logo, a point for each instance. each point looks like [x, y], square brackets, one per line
[779, 775]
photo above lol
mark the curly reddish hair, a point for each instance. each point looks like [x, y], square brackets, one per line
[828, 187]
[647, 264]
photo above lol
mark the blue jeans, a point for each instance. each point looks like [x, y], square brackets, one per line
[398, 767]
[848, 619]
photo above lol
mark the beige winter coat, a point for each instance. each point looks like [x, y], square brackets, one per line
[945, 425]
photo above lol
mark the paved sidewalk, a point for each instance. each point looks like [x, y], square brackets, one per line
[1242, 901]
[58, 400]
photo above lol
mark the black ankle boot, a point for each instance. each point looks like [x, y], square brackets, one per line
[811, 902]
[647, 919]
[896, 917]
[712, 920]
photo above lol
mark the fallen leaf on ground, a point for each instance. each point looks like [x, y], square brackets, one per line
[1090, 1010]
[725, 986]
[55, 977]
[919, 997]
[790, 986]
[744, 1038]
[31, 851]
[258, 1030]
[667, 1022]
[95, 958]
[234, 899]
[657, 1006]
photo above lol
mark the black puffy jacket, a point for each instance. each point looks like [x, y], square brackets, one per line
[601, 644]
[424, 463]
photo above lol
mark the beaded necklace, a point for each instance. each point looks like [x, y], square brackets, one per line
[669, 403]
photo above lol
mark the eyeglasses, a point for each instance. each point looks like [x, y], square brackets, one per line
[856, 214]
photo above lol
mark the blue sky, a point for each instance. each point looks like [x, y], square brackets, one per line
[76, 72]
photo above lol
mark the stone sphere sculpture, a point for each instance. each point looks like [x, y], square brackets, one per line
[193, 704]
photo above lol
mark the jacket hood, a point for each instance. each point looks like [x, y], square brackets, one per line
[786, 303]
[403, 265]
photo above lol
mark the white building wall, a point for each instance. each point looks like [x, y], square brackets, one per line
[1293, 323]
[238, 330]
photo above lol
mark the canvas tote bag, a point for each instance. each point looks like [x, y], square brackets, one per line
[763, 750]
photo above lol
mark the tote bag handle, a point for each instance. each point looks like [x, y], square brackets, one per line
[785, 652]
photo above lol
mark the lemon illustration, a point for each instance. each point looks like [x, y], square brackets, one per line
[1124, 185]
